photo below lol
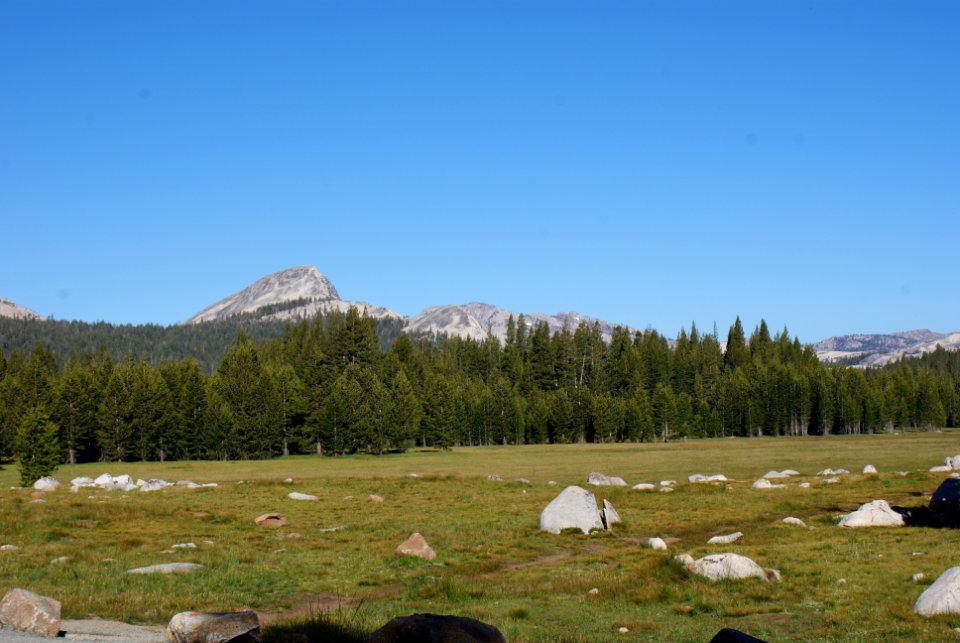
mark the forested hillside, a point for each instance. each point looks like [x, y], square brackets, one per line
[328, 387]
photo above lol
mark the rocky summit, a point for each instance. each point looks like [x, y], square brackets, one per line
[16, 311]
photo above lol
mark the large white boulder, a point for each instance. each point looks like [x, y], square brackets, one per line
[575, 507]
[46, 483]
[728, 565]
[943, 597]
[873, 514]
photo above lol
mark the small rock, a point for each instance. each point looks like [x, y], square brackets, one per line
[167, 568]
[841, 581]
[494, 478]
[644, 486]
[523, 481]
[725, 540]
[197, 627]
[189, 484]
[804, 485]
[833, 480]
[667, 483]
[916, 578]
[593, 592]
[657, 544]
[773, 475]
[436, 627]
[23, 610]
[600, 480]
[375, 498]
[270, 520]
[331, 529]
[762, 483]
[183, 546]
[939, 469]
[296, 495]
[415, 545]
[288, 481]
[869, 468]
[623, 630]
[8, 548]
[83, 481]
[59, 560]
[796, 522]
[666, 489]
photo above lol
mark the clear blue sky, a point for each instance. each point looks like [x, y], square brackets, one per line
[647, 163]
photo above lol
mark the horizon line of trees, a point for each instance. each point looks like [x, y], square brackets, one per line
[327, 386]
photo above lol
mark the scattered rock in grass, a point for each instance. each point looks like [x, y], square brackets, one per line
[46, 483]
[657, 544]
[699, 478]
[167, 568]
[414, 475]
[942, 597]
[833, 480]
[23, 610]
[184, 546]
[189, 484]
[644, 486]
[939, 469]
[296, 495]
[790, 472]
[624, 630]
[153, 484]
[8, 548]
[83, 481]
[841, 581]
[375, 498]
[796, 522]
[666, 489]
[804, 485]
[774, 475]
[728, 565]
[764, 483]
[417, 546]
[436, 627]
[552, 482]
[288, 481]
[593, 591]
[327, 530]
[600, 480]
[869, 468]
[667, 483]
[726, 539]
[197, 627]
[873, 514]
[493, 477]
[916, 578]
[523, 481]
[270, 520]
[59, 560]
[575, 507]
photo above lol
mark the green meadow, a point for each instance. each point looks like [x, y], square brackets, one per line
[336, 555]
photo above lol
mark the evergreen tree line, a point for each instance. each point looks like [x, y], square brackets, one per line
[326, 386]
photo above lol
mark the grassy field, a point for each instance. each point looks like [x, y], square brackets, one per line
[492, 562]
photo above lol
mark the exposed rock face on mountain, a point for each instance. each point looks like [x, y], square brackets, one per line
[876, 350]
[477, 320]
[16, 311]
[296, 293]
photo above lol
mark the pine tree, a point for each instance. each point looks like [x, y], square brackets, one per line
[38, 447]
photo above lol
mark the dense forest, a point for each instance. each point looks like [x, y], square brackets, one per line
[345, 383]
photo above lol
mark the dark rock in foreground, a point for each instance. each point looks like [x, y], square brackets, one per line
[427, 628]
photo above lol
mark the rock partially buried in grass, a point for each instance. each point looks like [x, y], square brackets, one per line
[600, 480]
[796, 522]
[869, 468]
[436, 627]
[23, 610]
[417, 546]
[197, 627]
[644, 486]
[726, 539]
[296, 495]
[574, 508]
[167, 568]
[375, 498]
[943, 597]
[730, 566]
[657, 544]
[270, 520]
[873, 514]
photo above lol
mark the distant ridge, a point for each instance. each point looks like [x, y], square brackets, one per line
[880, 349]
[16, 311]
